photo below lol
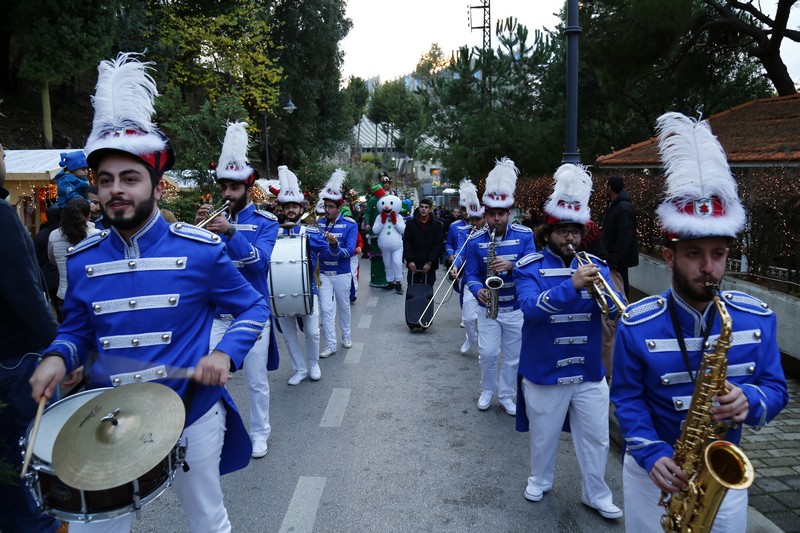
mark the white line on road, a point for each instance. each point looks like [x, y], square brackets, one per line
[353, 356]
[372, 302]
[334, 412]
[302, 509]
[365, 321]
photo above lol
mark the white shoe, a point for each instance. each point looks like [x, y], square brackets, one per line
[259, 449]
[314, 372]
[508, 406]
[609, 511]
[327, 352]
[485, 400]
[347, 343]
[466, 346]
[533, 493]
[298, 377]
[461, 325]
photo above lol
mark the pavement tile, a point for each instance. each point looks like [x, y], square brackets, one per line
[788, 436]
[776, 471]
[766, 504]
[793, 482]
[788, 521]
[790, 499]
[769, 484]
[782, 452]
[780, 461]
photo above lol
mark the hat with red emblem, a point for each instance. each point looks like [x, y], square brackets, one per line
[233, 163]
[701, 198]
[468, 196]
[333, 189]
[290, 187]
[123, 110]
[569, 203]
[500, 185]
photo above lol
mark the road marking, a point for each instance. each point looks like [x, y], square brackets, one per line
[372, 302]
[302, 511]
[334, 412]
[364, 321]
[353, 356]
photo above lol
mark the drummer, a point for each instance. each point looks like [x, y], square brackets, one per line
[292, 200]
[249, 236]
[143, 295]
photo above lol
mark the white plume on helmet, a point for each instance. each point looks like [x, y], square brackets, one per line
[569, 202]
[501, 184]
[333, 189]
[289, 186]
[233, 163]
[468, 193]
[701, 197]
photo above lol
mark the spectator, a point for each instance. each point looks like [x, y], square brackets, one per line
[619, 230]
[94, 204]
[423, 241]
[71, 180]
[49, 270]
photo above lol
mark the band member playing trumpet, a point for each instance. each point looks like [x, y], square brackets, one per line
[291, 199]
[491, 253]
[143, 294]
[249, 236]
[334, 270]
[561, 372]
[662, 339]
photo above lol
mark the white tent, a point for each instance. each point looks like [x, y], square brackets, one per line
[28, 175]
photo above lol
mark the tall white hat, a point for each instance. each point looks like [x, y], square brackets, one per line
[123, 110]
[468, 194]
[701, 197]
[500, 185]
[233, 163]
[569, 203]
[333, 189]
[290, 187]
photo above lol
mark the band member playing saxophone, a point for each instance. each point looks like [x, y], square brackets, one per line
[249, 236]
[504, 331]
[562, 377]
[663, 339]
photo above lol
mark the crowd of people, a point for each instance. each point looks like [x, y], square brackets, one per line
[126, 278]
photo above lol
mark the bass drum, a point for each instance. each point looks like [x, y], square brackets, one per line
[290, 283]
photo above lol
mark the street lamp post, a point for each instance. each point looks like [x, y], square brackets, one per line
[572, 31]
[289, 108]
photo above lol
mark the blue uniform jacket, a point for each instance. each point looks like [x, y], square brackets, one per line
[317, 244]
[451, 244]
[150, 306]
[346, 230]
[516, 243]
[651, 388]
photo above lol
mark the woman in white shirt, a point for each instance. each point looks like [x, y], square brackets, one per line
[75, 227]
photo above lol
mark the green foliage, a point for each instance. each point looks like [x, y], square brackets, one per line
[393, 106]
[356, 98]
[430, 63]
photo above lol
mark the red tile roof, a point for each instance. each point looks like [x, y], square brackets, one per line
[763, 132]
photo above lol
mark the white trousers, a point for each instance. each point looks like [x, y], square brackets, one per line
[334, 295]
[255, 369]
[393, 262]
[301, 361]
[505, 333]
[643, 514]
[587, 405]
[354, 261]
[199, 489]
[469, 314]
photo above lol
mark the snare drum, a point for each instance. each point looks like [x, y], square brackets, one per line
[73, 505]
[290, 287]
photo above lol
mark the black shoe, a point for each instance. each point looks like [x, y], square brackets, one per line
[398, 288]
[388, 287]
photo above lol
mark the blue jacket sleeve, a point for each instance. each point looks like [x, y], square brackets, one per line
[254, 257]
[475, 275]
[451, 244]
[767, 395]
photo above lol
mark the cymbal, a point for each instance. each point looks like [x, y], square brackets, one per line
[118, 436]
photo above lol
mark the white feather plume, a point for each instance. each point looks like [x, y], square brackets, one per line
[696, 168]
[233, 163]
[464, 189]
[469, 197]
[289, 186]
[501, 184]
[571, 192]
[333, 189]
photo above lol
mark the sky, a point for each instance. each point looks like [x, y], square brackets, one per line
[389, 37]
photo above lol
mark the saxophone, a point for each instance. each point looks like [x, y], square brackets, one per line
[493, 282]
[713, 465]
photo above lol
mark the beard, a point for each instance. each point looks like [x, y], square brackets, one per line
[561, 251]
[238, 204]
[688, 291]
[142, 211]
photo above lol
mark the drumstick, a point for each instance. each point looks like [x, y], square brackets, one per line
[34, 432]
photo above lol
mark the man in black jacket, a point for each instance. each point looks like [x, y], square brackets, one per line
[26, 326]
[423, 243]
[619, 230]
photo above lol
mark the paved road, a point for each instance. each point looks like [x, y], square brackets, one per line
[391, 440]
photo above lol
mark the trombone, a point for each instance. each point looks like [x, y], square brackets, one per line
[426, 325]
[214, 214]
[601, 291]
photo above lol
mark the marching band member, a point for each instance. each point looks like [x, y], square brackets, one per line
[661, 339]
[511, 242]
[139, 294]
[453, 231]
[291, 198]
[334, 290]
[249, 236]
[469, 305]
[561, 374]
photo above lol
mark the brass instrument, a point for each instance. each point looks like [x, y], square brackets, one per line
[426, 325]
[713, 466]
[601, 291]
[214, 214]
[493, 282]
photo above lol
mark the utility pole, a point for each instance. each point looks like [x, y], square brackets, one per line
[487, 23]
[572, 31]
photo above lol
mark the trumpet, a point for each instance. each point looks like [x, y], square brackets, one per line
[214, 214]
[601, 291]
